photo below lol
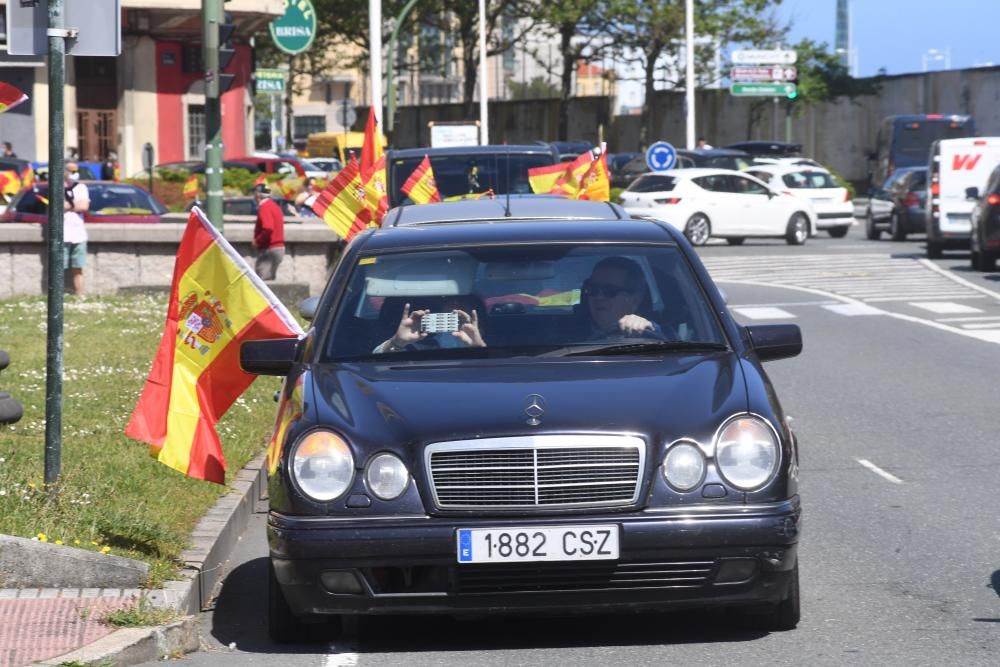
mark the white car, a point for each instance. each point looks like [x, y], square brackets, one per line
[706, 203]
[832, 203]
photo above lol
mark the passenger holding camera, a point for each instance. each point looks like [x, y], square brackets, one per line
[414, 332]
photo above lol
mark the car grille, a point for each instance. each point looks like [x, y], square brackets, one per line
[514, 578]
[539, 472]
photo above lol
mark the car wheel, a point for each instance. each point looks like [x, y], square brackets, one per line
[838, 232]
[798, 229]
[776, 617]
[698, 229]
[735, 240]
[896, 232]
[872, 232]
[933, 250]
[285, 627]
[984, 261]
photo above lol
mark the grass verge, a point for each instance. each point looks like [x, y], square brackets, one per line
[111, 495]
[140, 615]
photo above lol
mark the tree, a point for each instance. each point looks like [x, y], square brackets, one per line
[538, 87]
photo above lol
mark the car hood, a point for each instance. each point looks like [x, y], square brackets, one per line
[408, 405]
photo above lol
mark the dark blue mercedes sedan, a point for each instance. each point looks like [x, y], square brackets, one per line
[517, 414]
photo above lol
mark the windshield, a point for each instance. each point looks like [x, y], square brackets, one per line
[528, 300]
[914, 139]
[463, 175]
[122, 200]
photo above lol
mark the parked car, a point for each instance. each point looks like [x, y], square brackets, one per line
[286, 166]
[109, 202]
[707, 158]
[832, 203]
[899, 206]
[468, 170]
[905, 141]
[985, 221]
[706, 203]
[569, 150]
[330, 165]
[772, 149]
[956, 165]
[539, 472]
[618, 160]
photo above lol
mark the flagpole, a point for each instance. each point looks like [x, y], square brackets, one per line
[484, 120]
[689, 74]
[375, 55]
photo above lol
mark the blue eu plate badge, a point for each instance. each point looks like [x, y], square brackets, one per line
[465, 546]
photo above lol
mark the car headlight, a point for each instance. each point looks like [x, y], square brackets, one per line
[387, 476]
[684, 466]
[322, 465]
[747, 453]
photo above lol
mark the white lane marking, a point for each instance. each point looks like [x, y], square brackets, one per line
[980, 325]
[854, 309]
[341, 655]
[958, 279]
[786, 304]
[981, 318]
[945, 307]
[765, 313]
[878, 471]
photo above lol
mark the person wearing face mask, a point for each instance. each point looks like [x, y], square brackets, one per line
[75, 204]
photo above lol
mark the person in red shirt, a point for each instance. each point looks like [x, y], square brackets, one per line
[268, 233]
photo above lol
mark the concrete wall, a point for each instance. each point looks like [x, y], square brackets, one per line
[123, 255]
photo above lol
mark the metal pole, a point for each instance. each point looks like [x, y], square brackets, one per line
[274, 122]
[689, 75]
[391, 64]
[211, 17]
[788, 122]
[56, 270]
[375, 55]
[484, 120]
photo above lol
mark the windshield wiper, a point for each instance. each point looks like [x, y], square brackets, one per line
[644, 347]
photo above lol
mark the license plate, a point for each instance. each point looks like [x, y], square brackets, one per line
[550, 543]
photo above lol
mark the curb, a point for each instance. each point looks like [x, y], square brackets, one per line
[206, 564]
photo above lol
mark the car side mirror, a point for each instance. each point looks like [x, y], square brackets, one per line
[269, 357]
[307, 307]
[972, 193]
[775, 341]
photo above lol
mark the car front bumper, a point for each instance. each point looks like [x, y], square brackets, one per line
[676, 557]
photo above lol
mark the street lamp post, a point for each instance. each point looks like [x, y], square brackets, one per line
[689, 74]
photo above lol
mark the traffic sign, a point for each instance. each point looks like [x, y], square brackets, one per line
[270, 80]
[763, 73]
[763, 89]
[764, 57]
[294, 31]
[661, 156]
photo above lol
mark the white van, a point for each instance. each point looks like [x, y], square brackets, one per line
[955, 166]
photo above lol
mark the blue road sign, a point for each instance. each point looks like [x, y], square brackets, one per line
[661, 156]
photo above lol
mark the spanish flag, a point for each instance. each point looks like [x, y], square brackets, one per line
[568, 184]
[191, 187]
[288, 189]
[342, 204]
[10, 97]
[10, 182]
[420, 187]
[372, 170]
[595, 185]
[27, 177]
[216, 303]
[543, 179]
[260, 180]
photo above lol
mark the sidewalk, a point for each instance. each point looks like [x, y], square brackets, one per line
[53, 626]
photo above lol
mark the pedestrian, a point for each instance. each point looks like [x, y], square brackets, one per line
[8, 149]
[703, 145]
[268, 233]
[108, 166]
[76, 203]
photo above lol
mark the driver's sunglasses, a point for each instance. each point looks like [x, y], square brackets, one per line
[73, 171]
[605, 290]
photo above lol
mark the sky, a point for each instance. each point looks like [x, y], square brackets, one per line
[896, 34]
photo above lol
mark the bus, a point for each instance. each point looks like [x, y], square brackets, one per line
[905, 141]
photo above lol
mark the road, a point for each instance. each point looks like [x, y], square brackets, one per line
[894, 401]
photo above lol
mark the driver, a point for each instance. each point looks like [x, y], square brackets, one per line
[409, 336]
[615, 291]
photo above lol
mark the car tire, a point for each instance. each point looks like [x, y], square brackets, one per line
[797, 230]
[896, 231]
[871, 231]
[984, 261]
[934, 250]
[838, 232]
[285, 627]
[776, 617]
[698, 229]
[736, 240]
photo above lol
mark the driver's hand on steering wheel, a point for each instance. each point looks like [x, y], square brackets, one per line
[634, 325]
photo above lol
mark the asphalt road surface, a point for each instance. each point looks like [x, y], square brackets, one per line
[894, 400]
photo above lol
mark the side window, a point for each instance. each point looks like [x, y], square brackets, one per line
[714, 183]
[918, 181]
[745, 186]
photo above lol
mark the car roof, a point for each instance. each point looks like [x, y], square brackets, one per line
[490, 149]
[609, 230]
[692, 172]
[522, 207]
[786, 168]
[713, 152]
